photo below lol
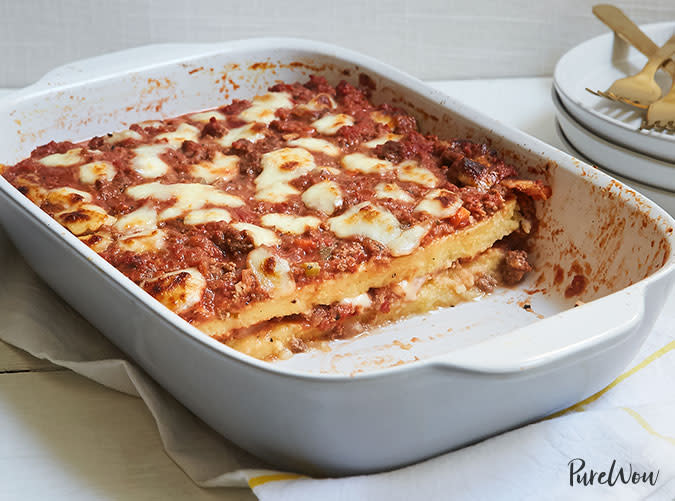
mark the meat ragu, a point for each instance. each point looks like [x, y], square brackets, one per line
[307, 213]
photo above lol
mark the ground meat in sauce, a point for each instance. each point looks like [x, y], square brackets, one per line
[345, 257]
[236, 107]
[363, 130]
[213, 128]
[412, 146]
[320, 85]
[515, 266]
[382, 299]
[290, 125]
[229, 240]
[486, 283]
[51, 148]
[330, 318]
[249, 157]
[250, 153]
[300, 93]
[219, 251]
[196, 152]
[297, 346]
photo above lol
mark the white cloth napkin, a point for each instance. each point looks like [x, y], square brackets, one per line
[631, 422]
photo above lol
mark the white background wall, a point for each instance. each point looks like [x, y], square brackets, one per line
[432, 39]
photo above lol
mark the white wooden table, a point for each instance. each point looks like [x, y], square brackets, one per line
[65, 437]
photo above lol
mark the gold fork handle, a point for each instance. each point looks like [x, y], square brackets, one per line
[659, 57]
[626, 29]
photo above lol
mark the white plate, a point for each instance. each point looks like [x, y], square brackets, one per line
[665, 199]
[613, 157]
[596, 64]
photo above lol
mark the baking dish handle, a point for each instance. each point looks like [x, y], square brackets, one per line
[572, 332]
[106, 65]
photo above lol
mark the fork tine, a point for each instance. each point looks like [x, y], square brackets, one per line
[613, 97]
[658, 125]
[595, 92]
[623, 100]
[632, 103]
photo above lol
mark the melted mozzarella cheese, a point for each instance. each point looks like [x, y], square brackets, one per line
[66, 196]
[203, 216]
[264, 107]
[440, 203]
[184, 132]
[251, 132]
[411, 171]
[362, 300]
[151, 124]
[381, 140]
[276, 194]
[188, 197]
[382, 118]
[392, 191]
[223, 167]
[260, 236]
[324, 197]
[141, 220]
[117, 137]
[408, 240]
[317, 145]
[320, 102]
[178, 290]
[286, 223]
[147, 162]
[279, 167]
[34, 192]
[368, 220]
[358, 162]
[98, 242]
[409, 288]
[143, 242]
[85, 218]
[70, 157]
[330, 170]
[206, 116]
[328, 125]
[272, 272]
[93, 171]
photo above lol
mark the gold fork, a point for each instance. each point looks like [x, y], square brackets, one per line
[640, 89]
[630, 32]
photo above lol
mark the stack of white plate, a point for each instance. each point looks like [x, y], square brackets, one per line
[607, 133]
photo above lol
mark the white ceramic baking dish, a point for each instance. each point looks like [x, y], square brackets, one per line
[514, 363]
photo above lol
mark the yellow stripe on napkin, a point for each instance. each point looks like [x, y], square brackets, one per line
[643, 422]
[263, 479]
